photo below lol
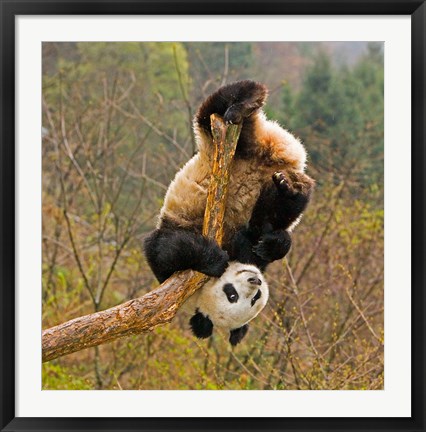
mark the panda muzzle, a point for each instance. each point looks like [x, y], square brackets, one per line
[254, 281]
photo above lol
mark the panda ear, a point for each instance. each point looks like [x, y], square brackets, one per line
[201, 325]
[236, 335]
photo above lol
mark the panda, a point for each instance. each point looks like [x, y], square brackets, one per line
[268, 191]
[228, 303]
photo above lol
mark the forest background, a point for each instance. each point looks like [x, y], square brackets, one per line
[117, 125]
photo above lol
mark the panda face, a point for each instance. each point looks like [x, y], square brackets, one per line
[230, 301]
[235, 298]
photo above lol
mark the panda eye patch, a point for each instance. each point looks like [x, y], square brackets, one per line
[231, 293]
[256, 297]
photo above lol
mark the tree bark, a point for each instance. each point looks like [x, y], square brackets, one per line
[159, 306]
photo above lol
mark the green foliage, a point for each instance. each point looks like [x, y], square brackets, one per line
[339, 115]
[148, 70]
[59, 377]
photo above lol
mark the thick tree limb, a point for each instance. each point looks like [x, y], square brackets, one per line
[159, 306]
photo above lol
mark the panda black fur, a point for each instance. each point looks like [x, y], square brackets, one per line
[228, 303]
[267, 192]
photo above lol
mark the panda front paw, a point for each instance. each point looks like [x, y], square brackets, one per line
[273, 246]
[215, 266]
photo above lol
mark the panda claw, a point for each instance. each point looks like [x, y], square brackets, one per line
[280, 179]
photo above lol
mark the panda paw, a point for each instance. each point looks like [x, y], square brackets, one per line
[236, 113]
[273, 246]
[215, 266]
[247, 97]
[293, 184]
[283, 184]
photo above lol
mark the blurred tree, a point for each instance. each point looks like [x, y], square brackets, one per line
[339, 114]
[216, 63]
[101, 103]
[155, 75]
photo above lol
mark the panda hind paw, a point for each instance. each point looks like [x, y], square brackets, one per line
[293, 184]
[235, 114]
[245, 97]
[283, 184]
[273, 246]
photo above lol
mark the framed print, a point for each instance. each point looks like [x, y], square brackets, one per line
[277, 149]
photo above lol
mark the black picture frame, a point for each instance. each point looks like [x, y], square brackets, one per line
[9, 9]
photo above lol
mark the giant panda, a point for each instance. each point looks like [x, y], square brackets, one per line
[228, 303]
[267, 192]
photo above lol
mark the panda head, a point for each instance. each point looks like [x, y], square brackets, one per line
[229, 302]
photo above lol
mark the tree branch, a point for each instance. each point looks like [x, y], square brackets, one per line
[159, 306]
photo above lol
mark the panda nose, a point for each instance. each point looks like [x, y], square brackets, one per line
[254, 281]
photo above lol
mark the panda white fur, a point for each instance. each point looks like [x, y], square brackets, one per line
[267, 192]
[228, 303]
